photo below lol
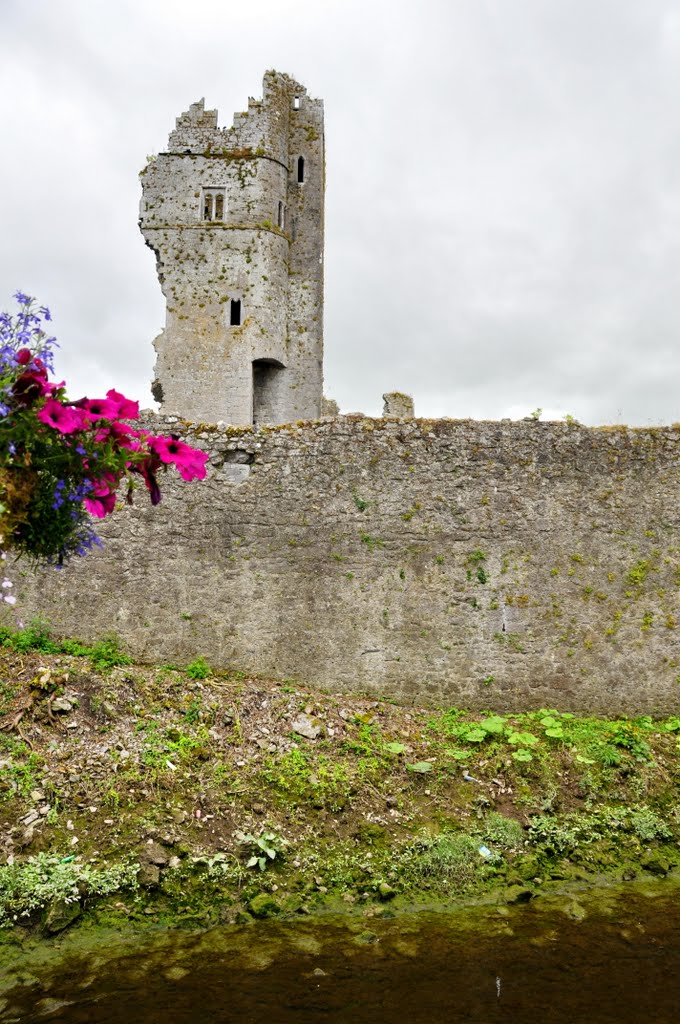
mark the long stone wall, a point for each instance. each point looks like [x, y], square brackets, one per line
[498, 565]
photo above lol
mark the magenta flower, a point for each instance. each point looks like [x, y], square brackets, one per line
[60, 417]
[102, 498]
[98, 408]
[127, 409]
[190, 462]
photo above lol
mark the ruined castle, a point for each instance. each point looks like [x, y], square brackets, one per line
[496, 565]
[235, 217]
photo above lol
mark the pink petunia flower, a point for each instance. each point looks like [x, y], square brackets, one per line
[127, 409]
[98, 408]
[102, 499]
[60, 417]
[190, 462]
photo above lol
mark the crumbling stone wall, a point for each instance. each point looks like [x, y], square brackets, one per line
[486, 564]
[236, 215]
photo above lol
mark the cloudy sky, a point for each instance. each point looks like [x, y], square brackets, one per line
[503, 188]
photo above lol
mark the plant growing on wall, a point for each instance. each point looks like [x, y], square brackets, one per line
[62, 461]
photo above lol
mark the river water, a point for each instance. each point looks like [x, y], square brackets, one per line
[560, 959]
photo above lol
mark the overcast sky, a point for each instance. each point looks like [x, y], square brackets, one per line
[503, 188]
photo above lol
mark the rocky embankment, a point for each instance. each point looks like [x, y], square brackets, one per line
[174, 794]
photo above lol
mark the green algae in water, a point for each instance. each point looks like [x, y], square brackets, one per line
[601, 957]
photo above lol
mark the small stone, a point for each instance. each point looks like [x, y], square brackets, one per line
[154, 853]
[306, 726]
[386, 892]
[174, 863]
[148, 875]
[62, 704]
[656, 863]
[391, 801]
[258, 809]
[264, 905]
[518, 894]
[60, 915]
[37, 795]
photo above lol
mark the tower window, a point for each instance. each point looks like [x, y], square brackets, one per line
[301, 169]
[282, 216]
[213, 204]
[235, 313]
[296, 102]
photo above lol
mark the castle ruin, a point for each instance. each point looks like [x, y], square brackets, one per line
[235, 217]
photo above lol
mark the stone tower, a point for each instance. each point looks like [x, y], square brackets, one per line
[235, 217]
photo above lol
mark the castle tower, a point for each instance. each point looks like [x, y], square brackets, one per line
[235, 217]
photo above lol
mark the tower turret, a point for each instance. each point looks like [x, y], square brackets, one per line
[235, 217]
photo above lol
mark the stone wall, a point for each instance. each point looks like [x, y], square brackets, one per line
[495, 565]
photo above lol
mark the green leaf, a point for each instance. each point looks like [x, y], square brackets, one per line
[526, 739]
[395, 748]
[474, 735]
[457, 753]
[421, 767]
[583, 760]
[551, 723]
[522, 755]
[556, 732]
[494, 725]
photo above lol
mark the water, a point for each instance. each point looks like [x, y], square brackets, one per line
[535, 963]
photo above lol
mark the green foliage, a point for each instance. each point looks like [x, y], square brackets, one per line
[34, 637]
[198, 669]
[37, 636]
[450, 859]
[106, 653]
[263, 848]
[31, 885]
[638, 573]
[359, 502]
[501, 831]
[22, 771]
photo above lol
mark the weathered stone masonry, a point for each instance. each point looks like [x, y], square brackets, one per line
[486, 564]
[235, 217]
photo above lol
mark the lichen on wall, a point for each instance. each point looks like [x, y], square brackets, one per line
[497, 565]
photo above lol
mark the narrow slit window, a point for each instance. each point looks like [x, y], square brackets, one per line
[235, 313]
[280, 216]
[208, 206]
[219, 206]
[301, 169]
[296, 103]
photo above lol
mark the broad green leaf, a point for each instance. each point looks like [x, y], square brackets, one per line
[474, 735]
[556, 732]
[457, 753]
[395, 748]
[495, 724]
[526, 739]
[522, 755]
[421, 767]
